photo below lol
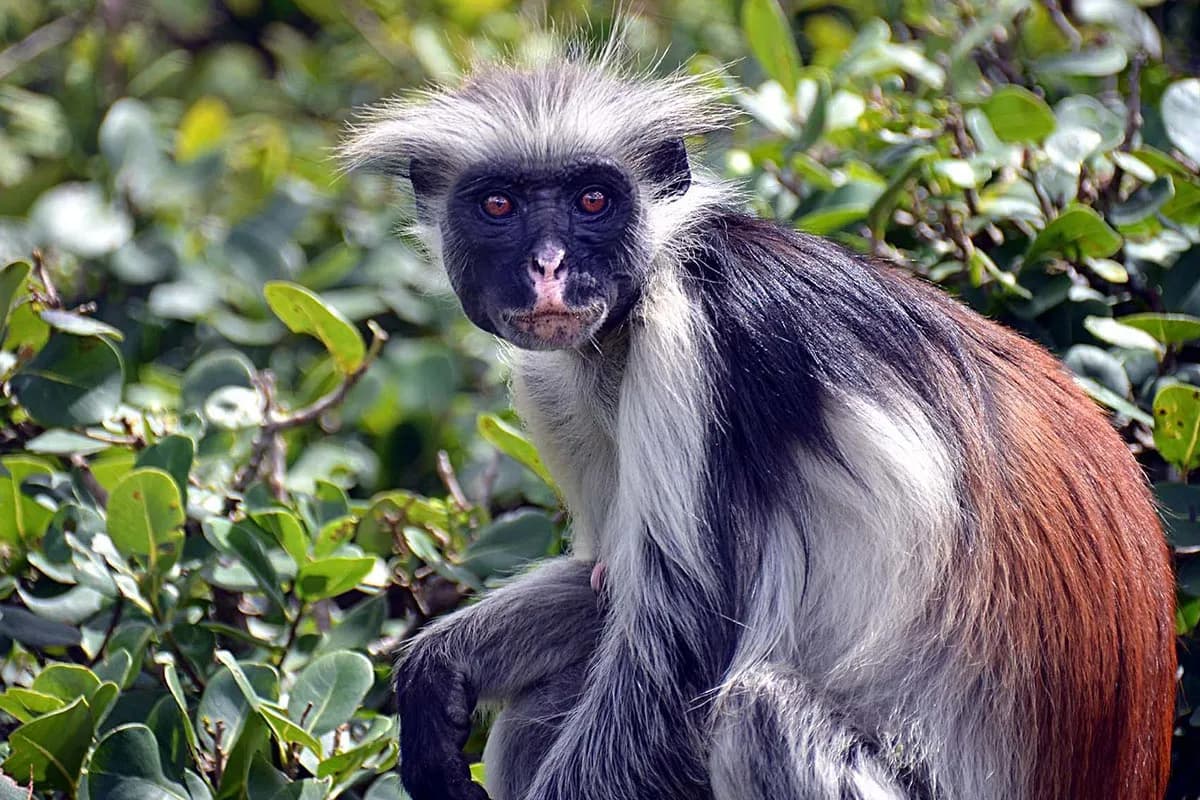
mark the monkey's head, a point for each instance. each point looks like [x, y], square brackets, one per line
[548, 192]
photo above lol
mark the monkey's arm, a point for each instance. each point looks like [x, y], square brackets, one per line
[514, 638]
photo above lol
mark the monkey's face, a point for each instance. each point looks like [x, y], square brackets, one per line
[546, 259]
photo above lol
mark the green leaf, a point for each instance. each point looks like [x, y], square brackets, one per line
[510, 542]
[22, 518]
[73, 381]
[1166, 328]
[243, 540]
[513, 443]
[214, 371]
[17, 623]
[1180, 110]
[304, 312]
[225, 701]
[126, 765]
[329, 691]
[1078, 233]
[1144, 203]
[12, 278]
[173, 454]
[331, 577]
[769, 35]
[287, 530]
[79, 325]
[1108, 59]
[61, 442]
[50, 749]
[1108, 330]
[1019, 115]
[146, 516]
[202, 128]
[66, 682]
[1177, 425]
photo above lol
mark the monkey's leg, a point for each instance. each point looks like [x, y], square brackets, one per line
[522, 734]
[773, 739]
[515, 638]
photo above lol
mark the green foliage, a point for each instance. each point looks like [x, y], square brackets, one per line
[223, 363]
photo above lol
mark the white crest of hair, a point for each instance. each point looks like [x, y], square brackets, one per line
[544, 110]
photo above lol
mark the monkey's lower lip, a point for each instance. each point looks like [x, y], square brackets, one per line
[548, 329]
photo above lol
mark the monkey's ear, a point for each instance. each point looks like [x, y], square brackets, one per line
[422, 176]
[669, 168]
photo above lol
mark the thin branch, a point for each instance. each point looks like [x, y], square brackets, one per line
[49, 296]
[118, 609]
[264, 446]
[1063, 24]
[88, 479]
[46, 38]
[445, 471]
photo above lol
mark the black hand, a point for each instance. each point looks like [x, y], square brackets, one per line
[435, 721]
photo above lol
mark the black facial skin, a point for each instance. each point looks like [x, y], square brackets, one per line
[491, 259]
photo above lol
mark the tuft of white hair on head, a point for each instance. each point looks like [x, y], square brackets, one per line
[541, 110]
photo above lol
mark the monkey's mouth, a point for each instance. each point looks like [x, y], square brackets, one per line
[554, 328]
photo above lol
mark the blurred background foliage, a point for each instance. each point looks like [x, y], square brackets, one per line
[247, 442]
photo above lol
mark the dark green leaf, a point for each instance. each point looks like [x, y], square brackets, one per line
[1077, 233]
[50, 749]
[126, 766]
[329, 691]
[74, 380]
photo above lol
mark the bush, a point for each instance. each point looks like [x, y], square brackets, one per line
[218, 361]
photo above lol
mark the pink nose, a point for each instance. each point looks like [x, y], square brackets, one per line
[547, 259]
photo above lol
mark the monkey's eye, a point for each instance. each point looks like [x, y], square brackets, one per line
[593, 201]
[497, 205]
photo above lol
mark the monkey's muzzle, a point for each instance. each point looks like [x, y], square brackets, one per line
[557, 327]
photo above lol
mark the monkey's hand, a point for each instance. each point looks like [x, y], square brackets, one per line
[436, 704]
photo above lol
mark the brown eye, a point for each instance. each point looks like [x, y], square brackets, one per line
[497, 205]
[593, 201]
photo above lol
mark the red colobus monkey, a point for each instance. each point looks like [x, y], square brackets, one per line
[855, 541]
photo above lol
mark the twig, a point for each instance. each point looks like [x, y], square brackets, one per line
[184, 663]
[88, 479]
[263, 445]
[51, 35]
[1063, 24]
[445, 471]
[1133, 123]
[118, 609]
[49, 295]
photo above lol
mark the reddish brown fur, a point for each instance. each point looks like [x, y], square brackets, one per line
[1079, 617]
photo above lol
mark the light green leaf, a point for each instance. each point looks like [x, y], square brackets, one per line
[513, 443]
[1108, 330]
[1018, 115]
[769, 35]
[79, 325]
[1180, 110]
[1078, 233]
[146, 516]
[331, 577]
[12, 278]
[304, 312]
[1166, 328]
[1177, 425]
